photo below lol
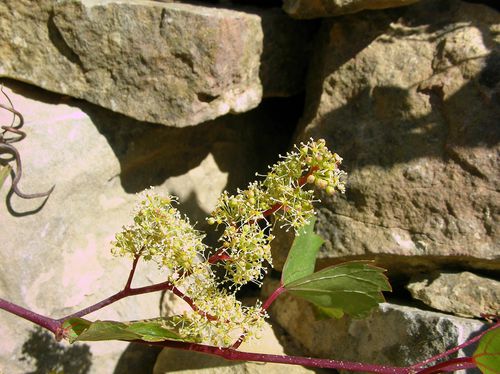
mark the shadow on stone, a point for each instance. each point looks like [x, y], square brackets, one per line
[137, 359]
[241, 144]
[48, 356]
[149, 154]
[383, 137]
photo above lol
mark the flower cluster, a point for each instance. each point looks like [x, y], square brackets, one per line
[159, 233]
[283, 192]
[323, 165]
[249, 247]
[233, 320]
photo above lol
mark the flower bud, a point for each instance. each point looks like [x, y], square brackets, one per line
[330, 190]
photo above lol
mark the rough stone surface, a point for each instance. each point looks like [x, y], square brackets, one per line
[175, 64]
[55, 258]
[183, 362]
[464, 294]
[393, 335]
[328, 8]
[410, 98]
[169, 63]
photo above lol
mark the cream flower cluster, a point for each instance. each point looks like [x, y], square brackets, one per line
[285, 193]
[233, 319]
[160, 234]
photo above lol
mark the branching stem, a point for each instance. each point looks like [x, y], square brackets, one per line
[278, 291]
[38, 319]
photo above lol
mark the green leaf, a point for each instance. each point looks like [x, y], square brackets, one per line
[487, 354]
[321, 313]
[74, 327]
[302, 255]
[153, 330]
[4, 173]
[353, 288]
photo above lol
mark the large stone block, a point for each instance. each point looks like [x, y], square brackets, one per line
[464, 294]
[410, 99]
[169, 63]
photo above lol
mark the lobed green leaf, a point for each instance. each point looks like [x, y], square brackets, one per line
[487, 354]
[352, 288]
[301, 258]
[153, 330]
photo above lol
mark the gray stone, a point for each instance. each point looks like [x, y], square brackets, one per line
[184, 362]
[392, 335]
[464, 294]
[328, 8]
[55, 257]
[409, 98]
[174, 64]
[169, 63]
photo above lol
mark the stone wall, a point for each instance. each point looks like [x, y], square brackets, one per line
[194, 97]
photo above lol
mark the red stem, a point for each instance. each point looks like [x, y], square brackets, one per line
[118, 296]
[231, 354]
[220, 255]
[38, 319]
[272, 209]
[278, 291]
[450, 365]
[265, 306]
[303, 180]
[138, 291]
[132, 271]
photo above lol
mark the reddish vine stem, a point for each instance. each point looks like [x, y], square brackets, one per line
[132, 271]
[303, 180]
[120, 295]
[126, 292]
[231, 354]
[55, 325]
[265, 306]
[278, 291]
[454, 364]
[38, 319]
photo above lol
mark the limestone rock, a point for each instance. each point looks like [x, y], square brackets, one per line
[409, 98]
[184, 362]
[393, 335]
[464, 294]
[328, 8]
[170, 63]
[163, 62]
[55, 256]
